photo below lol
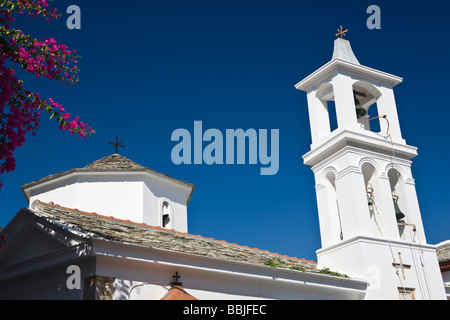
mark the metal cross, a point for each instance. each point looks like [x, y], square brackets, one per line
[402, 266]
[176, 276]
[117, 144]
[341, 33]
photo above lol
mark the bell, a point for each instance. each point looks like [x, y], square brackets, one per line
[166, 220]
[360, 111]
[369, 199]
[398, 213]
[369, 193]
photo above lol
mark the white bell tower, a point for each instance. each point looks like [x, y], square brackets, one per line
[370, 221]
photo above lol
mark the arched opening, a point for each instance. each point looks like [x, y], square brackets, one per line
[166, 217]
[326, 96]
[400, 203]
[366, 96]
[331, 106]
[333, 206]
[373, 198]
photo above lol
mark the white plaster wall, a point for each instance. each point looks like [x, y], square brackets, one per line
[135, 197]
[372, 259]
[212, 278]
[156, 191]
[353, 209]
[153, 282]
[120, 197]
[62, 192]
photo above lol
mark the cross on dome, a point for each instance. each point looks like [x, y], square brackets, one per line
[117, 144]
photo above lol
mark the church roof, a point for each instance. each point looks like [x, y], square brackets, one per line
[443, 251]
[177, 293]
[115, 164]
[95, 226]
[115, 161]
[344, 59]
[343, 50]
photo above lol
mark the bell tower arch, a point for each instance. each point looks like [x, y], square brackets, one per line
[368, 209]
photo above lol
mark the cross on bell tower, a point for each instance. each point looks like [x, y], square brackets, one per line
[366, 195]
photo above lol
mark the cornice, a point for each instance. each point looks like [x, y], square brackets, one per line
[362, 141]
[355, 69]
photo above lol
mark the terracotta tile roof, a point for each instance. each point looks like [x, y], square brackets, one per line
[93, 225]
[177, 293]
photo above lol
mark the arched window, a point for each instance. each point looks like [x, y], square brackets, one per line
[165, 215]
[325, 94]
[400, 202]
[366, 96]
[333, 205]
[373, 197]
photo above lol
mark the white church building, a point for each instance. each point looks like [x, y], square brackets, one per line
[116, 230]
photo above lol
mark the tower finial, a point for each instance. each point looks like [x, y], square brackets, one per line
[341, 33]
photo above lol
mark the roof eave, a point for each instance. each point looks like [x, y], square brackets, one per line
[336, 64]
[26, 188]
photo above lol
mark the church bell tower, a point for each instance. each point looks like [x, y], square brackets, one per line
[369, 215]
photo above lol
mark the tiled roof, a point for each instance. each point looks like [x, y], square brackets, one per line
[109, 228]
[114, 161]
[177, 293]
[443, 251]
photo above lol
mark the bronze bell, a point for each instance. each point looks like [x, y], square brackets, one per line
[398, 213]
[360, 111]
[165, 220]
[369, 193]
[369, 199]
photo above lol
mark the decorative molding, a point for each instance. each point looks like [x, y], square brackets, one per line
[349, 169]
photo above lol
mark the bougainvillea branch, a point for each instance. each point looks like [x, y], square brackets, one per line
[20, 109]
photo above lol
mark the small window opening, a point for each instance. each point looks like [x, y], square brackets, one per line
[328, 116]
[332, 115]
[366, 97]
[165, 214]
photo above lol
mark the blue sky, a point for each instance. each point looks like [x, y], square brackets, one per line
[151, 67]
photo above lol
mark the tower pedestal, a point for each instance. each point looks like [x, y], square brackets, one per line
[393, 269]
